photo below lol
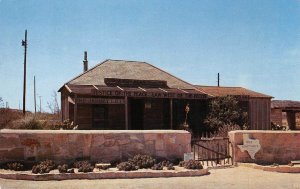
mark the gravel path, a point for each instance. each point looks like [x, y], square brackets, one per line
[238, 177]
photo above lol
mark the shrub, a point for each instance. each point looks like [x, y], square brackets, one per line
[65, 125]
[142, 161]
[192, 164]
[170, 167]
[127, 166]
[158, 166]
[162, 164]
[44, 167]
[63, 168]
[225, 111]
[83, 166]
[16, 166]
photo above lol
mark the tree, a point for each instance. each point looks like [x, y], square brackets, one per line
[53, 105]
[225, 111]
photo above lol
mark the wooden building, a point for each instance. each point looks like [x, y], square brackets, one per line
[287, 108]
[118, 94]
[257, 105]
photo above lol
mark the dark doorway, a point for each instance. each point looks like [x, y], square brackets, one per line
[100, 116]
[137, 114]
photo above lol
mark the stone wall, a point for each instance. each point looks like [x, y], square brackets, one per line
[275, 146]
[63, 145]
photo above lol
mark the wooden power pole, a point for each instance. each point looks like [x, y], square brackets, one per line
[24, 44]
[218, 79]
[34, 95]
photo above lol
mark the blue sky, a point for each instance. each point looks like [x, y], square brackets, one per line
[251, 43]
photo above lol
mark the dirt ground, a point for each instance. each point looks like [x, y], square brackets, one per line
[228, 178]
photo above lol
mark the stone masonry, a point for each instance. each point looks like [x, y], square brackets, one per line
[99, 146]
[280, 147]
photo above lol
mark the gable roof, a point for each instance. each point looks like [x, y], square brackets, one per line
[123, 69]
[234, 91]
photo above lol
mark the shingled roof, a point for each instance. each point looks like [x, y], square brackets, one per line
[234, 91]
[122, 69]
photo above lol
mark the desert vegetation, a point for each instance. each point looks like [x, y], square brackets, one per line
[14, 119]
[137, 162]
[225, 115]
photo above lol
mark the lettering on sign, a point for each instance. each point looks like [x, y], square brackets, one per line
[252, 146]
[147, 94]
[113, 82]
[99, 101]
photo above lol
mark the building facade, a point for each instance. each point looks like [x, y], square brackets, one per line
[118, 94]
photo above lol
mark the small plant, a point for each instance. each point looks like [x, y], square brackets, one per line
[142, 161]
[63, 168]
[65, 125]
[170, 167]
[83, 166]
[44, 167]
[16, 166]
[127, 166]
[192, 164]
[157, 166]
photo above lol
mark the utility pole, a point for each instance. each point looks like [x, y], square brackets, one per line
[34, 95]
[218, 79]
[24, 44]
[40, 104]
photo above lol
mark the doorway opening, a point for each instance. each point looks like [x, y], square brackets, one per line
[137, 114]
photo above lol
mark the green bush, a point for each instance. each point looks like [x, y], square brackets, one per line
[16, 166]
[157, 166]
[127, 166]
[44, 167]
[142, 161]
[84, 166]
[192, 164]
[63, 168]
[225, 111]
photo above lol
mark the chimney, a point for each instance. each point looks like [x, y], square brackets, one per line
[85, 62]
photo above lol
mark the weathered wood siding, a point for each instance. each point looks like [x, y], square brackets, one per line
[276, 116]
[116, 116]
[64, 105]
[154, 116]
[259, 113]
[84, 116]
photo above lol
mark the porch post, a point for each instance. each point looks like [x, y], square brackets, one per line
[126, 113]
[75, 109]
[171, 113]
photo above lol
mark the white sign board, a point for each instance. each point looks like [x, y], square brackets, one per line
[252, 146]
[188, 156]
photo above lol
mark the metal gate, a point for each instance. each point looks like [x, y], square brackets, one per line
[215, 151]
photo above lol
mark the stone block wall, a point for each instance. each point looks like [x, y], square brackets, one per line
[99, 146]
[275, 146]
